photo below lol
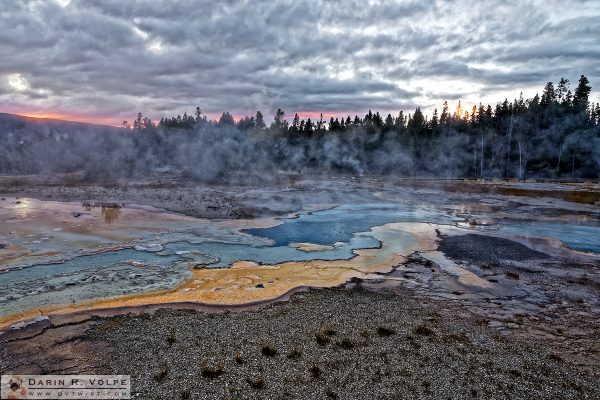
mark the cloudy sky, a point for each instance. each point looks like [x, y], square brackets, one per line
[103, 60]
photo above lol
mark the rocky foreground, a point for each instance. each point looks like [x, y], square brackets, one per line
[330, 343]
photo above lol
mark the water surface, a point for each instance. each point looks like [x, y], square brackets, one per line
[582, 236]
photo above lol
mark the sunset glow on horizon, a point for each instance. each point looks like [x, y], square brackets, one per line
[70, 117]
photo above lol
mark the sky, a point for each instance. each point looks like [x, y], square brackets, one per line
[103, 61]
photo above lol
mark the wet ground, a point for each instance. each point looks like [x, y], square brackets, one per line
[513, 266]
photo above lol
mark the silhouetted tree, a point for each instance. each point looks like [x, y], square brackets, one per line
[260, 121]
[226, 119]
[548, 96]
[582, 93]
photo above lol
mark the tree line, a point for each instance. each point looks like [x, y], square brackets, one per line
[555, 134]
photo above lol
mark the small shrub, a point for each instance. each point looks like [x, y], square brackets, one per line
[257, 382]
[491, 265]
[384, 331]
[455, 338]
[161, 374]
[512, 275]
[268, 350]
[413, 342]
[322, 338]
[423, 330]
[171, 339]
[554, 357]
[482, 322]
[211, 371]
[345, 344]
[315, 372]
[294, 355]
[329, 331]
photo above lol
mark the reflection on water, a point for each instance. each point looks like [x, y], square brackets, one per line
[583, 236]
[110, 211]
[23, 208]
[110, 214]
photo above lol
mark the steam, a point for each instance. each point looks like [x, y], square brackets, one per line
[222, 153]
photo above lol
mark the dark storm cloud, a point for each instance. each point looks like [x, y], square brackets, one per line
[106, 58]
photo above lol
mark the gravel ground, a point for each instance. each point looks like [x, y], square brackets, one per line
[332, 343]
[196, 202]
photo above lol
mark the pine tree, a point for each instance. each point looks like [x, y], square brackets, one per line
[138, 123]
[458, 113]
[400, 120]
[295, 124]
[147, 123]
[445, 117]
[377, 120]
[548, 96]
[488, 115]
[260, 121]
[417, 122]
[519, 104]
[480, 114]
[582, 93]
[435, 120]
[389, 122]
[279, 123]
[561, 90]
[308, 128]
[226, 119]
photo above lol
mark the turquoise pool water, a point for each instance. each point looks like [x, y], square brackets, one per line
[340, 223]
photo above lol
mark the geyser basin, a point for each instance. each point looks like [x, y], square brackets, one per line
[60, 254]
